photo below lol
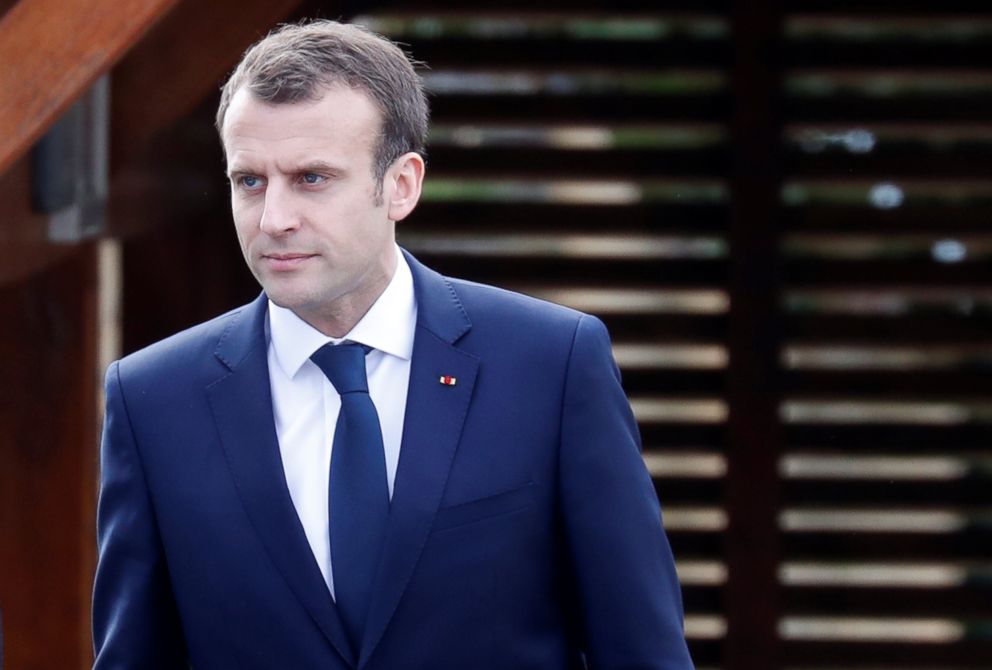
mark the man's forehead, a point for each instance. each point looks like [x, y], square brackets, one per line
[348, 101]
[342, 121]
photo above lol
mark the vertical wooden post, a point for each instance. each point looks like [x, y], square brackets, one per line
[48, 437]
[754, 435]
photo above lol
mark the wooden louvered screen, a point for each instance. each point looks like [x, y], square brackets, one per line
[887, 307]
[588, 159]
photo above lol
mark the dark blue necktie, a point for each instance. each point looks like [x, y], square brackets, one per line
[359, 496]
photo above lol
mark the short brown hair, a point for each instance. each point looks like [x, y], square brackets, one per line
[296, 61]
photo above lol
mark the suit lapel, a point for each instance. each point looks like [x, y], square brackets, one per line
[242, 406]
[432, 427]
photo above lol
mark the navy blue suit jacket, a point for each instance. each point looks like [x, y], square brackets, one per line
[524, 530]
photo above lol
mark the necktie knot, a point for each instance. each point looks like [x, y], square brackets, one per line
[344, 366]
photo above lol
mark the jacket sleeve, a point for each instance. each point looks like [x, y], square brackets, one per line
[624, 574]
[135, 623]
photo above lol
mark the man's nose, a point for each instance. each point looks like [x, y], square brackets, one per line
[279, 214]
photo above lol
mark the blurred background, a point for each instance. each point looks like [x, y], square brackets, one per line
[780, 209]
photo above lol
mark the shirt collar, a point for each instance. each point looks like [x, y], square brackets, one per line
[388, 326]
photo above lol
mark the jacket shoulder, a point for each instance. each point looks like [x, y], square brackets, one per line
[184, 351]
[491, 304]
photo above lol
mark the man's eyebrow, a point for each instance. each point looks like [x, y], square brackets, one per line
[318, 166]
[233, 170]
[310, 166]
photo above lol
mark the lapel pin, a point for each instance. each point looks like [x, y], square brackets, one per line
[448, 381]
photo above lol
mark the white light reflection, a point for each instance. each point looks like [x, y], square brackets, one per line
[855, 141]
[886, 196]
[949, 251]
[859, 141]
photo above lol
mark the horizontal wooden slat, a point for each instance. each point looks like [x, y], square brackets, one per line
[695, 463]
[891, 302]
[576, 108]
[508, 217]
[857, 356]
[555, 246]
[888, 194]
[822, 464]
[889, 250]
[949, 410]
[616, 163]
[566, 190]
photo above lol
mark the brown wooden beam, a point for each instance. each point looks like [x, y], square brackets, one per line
[52, 51]
[48, 437]
[5, 5]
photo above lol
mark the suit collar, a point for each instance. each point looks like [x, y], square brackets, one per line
[244, 333]
[439, 310]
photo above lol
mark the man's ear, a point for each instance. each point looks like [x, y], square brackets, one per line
[404, 181]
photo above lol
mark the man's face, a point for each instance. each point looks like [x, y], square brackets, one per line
[304, 201]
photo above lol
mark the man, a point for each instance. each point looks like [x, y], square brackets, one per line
[468, 494]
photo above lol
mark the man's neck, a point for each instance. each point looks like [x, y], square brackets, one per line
[348, 310]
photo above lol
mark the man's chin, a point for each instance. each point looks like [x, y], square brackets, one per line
[281, 296]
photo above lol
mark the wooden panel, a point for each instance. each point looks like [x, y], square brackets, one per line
[48, 437]
[58, 48]
[206, 277]
[181, 62]
[24, 246]
[885, 365]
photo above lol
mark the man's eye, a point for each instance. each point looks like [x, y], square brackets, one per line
[249, 181]
[312, 178]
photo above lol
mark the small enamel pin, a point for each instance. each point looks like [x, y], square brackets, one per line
[448, 381]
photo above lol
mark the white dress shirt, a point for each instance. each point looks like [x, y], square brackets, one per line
[305, 404]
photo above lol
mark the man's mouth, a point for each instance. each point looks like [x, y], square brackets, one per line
[283, 262]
